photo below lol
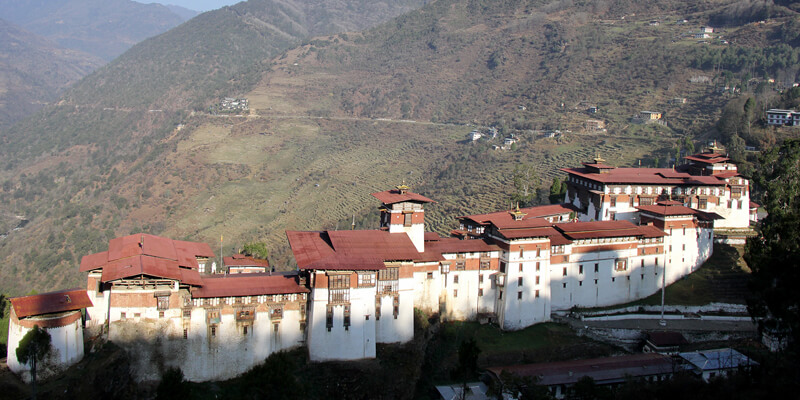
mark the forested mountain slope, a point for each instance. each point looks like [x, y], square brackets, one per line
[342, 115]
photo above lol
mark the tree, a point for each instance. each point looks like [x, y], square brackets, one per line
[557, 190]
[526, 182]
[749, 113]
[523, 388]
[33, 348]
[587, 389]
[774, 255]
[256, 249]
[172, 385]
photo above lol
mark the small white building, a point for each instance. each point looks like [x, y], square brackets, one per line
[59, 313]
[710, 364]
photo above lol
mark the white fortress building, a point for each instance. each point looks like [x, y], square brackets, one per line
[709, 183]
[623, 234]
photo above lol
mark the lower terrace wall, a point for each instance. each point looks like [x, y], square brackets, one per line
[224, 352]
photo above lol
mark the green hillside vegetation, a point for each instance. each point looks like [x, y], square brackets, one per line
[341, 116]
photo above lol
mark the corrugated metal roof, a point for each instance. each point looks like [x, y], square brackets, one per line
[143, 254]
[711, 360]
[236, 285]
[652, 176]
[505, 219]
[455, 245]
[50, 303]
[358, 249]
[606, 229]
[394, 196]
[241, 260]
[602, 370]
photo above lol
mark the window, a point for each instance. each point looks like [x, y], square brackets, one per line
[521, 252]
[580, 269]
[480, 292]
[480, 278]
[461, 263]
[630, 202]
[389, 274]
[596, 267]
[502, 266]
[621, 265]
[160, 314]
[163, 303]
[446, 267]
[642, 276]
[366, 279]
[244, 330]
[520, 267]
[580, 283]
[612, 215]
[643, 263]
[455, 278]
[347, 317]
[485, 264]
[564, 285]
[538, 265]
[185, 333]
[500, 294]
[538, 252]
[213, 331]
[122, 316]
[613, 279]
[519, 281]
[455, 292]
[276, 327]
[338, 281]
[537, 279]
[396, 305]
[407, 219]
[703, 203]
[536, 294]
[329, 318]
[613, 201]
[519, 295]
[187, 313]
[564, 272]
[377, 308]
[595, 281]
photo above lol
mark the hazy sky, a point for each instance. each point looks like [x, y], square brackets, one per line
[197, 5]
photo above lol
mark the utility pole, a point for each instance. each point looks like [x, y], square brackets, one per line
[663, 322]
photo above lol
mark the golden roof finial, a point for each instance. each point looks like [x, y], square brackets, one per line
[598, 159]
[403, 188]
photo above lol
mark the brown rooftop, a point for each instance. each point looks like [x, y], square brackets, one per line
[50, 303]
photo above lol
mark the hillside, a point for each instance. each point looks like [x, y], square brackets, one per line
[131, 148]
[33, 71]
[103, 28]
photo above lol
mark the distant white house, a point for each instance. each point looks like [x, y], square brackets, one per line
[777, 117]
[707, 29]
[474, 135]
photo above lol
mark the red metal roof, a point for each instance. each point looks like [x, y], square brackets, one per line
[236, 285]
[149, 266]
[455, 245]
[358, 249]
[708, 158]
[545, 231]
[602, 370]
[50, 303]
[93, 261]
[671, 210]
[505, 219]
[241, 260]
[605, 229]
[650, 176]
[394, 196]
[143, 254]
